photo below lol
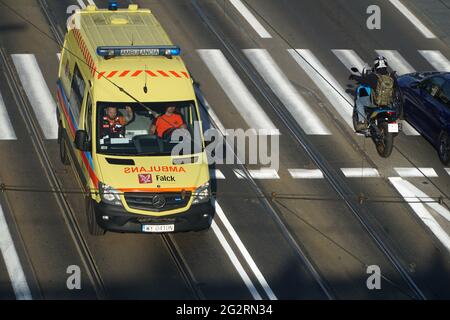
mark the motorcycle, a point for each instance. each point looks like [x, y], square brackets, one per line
[379, 123]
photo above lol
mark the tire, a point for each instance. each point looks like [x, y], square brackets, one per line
[355, 120]
[399, 104]
[93, 227]
[385, 146]
[444, 148]
[358, 126]
[63, 156]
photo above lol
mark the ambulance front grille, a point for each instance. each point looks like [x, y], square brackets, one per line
[157, 201]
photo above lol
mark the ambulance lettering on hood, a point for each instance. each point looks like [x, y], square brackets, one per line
[154, 169]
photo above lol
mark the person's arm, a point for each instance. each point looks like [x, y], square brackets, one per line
[153, 126]
[129, 115]
[183, 124]
[371, 80]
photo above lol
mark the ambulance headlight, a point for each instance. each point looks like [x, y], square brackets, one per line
[202, 194]
[109, 195]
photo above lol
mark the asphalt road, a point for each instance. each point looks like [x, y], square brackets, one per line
[313, 240]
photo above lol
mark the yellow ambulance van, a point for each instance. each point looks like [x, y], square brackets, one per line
[122, 92]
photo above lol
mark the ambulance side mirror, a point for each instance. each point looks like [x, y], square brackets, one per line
[82, 140]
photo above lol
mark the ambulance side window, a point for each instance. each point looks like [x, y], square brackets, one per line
[76, 93]
[88, 116]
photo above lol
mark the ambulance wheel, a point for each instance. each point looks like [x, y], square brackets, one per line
[93, 227]
[62, 147]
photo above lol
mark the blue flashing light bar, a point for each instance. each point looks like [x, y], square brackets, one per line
[113, 5]
[113, 51]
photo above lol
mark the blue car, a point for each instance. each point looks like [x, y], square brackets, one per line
[426, 106]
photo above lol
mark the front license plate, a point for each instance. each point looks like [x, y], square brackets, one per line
[393, 127]
[158, 228]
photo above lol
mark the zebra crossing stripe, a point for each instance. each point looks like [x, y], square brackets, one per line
[216, 174]
[436, 59]
[416, 172]
[264, 173]
[417, 200]
[306, 173]
[349, 58]
[283, 88]
[396, 61]
[6, 128]
[251, 19]
[340, 100]
[38, 94]
[236, 91]
[413, 19]
[360, 172]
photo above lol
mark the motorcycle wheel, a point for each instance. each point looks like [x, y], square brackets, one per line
[355, 120]
[385, 141]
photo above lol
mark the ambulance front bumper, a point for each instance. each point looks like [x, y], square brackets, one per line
[117, 219]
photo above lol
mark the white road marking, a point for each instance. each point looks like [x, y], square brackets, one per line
[6, 128]
[81, 4]
[264, 173]
[436, 59]
[360, 172]
[251, 263]
[306, 173]
[408, 129]
[448, 170]
[12, 262]
[410, 194]
[396, 61]
[251, 19]
[58, 55]
[283, 88]
[216, 174]
[444, 212]
[210, 111]
[234, 260]
[37, 92]
[350, 58]
[415, 172]
[341, 101]
[413, 19]
[91, 2]
[236, 91]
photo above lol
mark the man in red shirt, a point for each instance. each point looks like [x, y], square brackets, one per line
[169, 120]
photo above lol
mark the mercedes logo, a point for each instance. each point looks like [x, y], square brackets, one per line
[158, 201]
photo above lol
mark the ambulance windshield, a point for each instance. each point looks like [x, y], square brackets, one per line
[131, 129]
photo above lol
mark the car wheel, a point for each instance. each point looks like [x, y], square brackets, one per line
[444, 148]
[64, 157]
[94, 228]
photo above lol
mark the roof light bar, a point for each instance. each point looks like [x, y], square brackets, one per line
[111, 51]
[112, 5]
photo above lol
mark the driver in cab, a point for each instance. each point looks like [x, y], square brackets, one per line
[167, 122]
